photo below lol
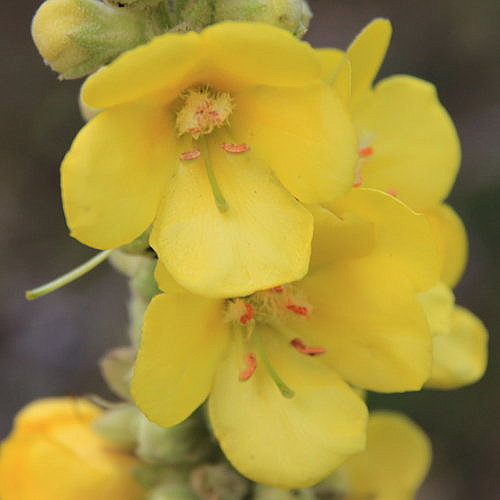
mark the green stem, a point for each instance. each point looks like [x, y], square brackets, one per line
[220, 201]
[68, 277]
[284, 389]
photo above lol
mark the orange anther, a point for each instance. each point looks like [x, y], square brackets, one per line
[358, 180]
[245, 318]
[392, 192]
[190, 155]
[300, 310]
[235, 148]
[364, 152]
[304, 349]
[251, 362]
[277, 289]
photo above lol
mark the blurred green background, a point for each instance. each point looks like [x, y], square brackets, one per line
[51, 346]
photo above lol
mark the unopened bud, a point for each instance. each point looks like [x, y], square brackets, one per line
[116, 369]
[76, 37]
[140, 4]
[218, 481]
[292, 15]
[184, 443]
[172, 492]
[196, 14]
[120, 426]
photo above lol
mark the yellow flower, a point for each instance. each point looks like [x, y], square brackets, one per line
[408, 143]
[354, 319]
[396, 460]
[230, 128]
[409, 148]
[53, 453]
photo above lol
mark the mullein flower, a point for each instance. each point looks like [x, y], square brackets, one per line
[409, 148]
[408, 143]
[231, 129]
[393, 466]
[53, 452]
[276, 364]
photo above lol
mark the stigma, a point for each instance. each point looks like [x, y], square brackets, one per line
[203, 110]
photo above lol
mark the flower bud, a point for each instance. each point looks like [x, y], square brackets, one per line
[219, 481]
[140, 4]
[76, 37]
[196, 14]
[120, 426]
[184, 443]
[53, 452]
[292, 15]
[116, 369]
[172, 492]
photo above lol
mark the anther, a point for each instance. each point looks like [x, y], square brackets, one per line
[299, 310]
[235, 148]
[358, 180]
[364, 152]
[190, 155]
[251, 362]
[304, 349]
[245, 318]
[392, 192]
[277, 289]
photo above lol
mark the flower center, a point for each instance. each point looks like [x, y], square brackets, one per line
[272, 307]
[203, 110]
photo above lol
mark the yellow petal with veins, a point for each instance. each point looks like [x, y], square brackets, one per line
[401, 234]
[164, 63]
[113, 176]
[304, 134]
[416, 151]
[183, 340]
[284, 442]
[365, 313]
[261, 241]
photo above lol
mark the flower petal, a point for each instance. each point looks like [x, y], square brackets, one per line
[366, 54]
[452, 242]
[459, 358]
[263, 239]
[397, 457]
[416, 148]
[183, 340]
[166, 282]
[438, 303]
[366, 315]
[163, 62]
[336, 71]
[339, 238]
[287, 443]
[401, 234]
[258, 54]
[304, 134]
[113, 175]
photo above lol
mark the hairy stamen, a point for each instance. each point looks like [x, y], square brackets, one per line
[251, 362]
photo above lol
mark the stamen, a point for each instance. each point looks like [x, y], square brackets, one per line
[277, 289]
[251, 362]
[358, 180]
[367, 151]
[245, 318]
[284, 389]
[219, 199]
[190, 155]
[235, 148]
[392, 192]
[299, 310]
[304, 349]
